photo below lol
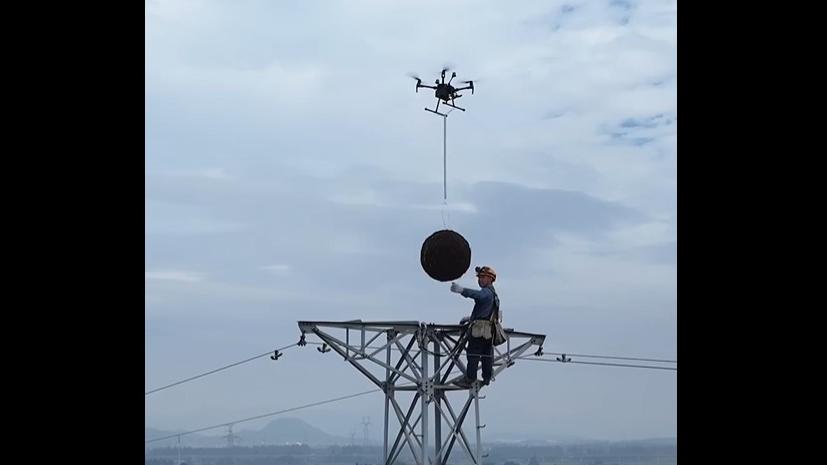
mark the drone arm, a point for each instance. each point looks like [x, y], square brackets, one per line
[464, 88]
[430, 87]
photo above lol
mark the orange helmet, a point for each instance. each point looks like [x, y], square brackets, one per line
[486, 271]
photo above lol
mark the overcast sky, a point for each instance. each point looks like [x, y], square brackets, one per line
[292, 173]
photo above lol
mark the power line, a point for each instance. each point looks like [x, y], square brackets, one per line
[598, 363]
[229, 423]
[608, 357]
[264, 415]
[615, 357]
[217, 370]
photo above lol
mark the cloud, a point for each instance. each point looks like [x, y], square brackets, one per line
[643, 130]
[277, 268]
[214, 173]
[290, 162]
[377, 239]
[527, 213]
[170, 218]
[174, 275]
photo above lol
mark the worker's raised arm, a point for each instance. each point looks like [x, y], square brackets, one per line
[482, 294]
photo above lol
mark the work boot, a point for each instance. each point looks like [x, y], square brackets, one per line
[464, 382]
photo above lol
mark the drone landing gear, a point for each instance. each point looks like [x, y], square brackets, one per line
[436, 109]
[446, 103]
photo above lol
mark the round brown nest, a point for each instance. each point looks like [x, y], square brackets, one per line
[445, 255]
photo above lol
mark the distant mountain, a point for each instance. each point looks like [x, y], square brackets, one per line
[656, 441]
[283, 431]
[278, 432]
[290, 431]
[189, 440]
[555, 440]
[532, 439]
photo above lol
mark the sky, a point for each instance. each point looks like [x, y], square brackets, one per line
[291, 173]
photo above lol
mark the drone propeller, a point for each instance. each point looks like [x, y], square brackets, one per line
[445, 68]
[471, 84]
[418, 80]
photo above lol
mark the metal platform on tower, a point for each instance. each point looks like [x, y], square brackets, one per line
[429, 357]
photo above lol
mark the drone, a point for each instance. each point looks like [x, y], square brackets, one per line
[444, 91]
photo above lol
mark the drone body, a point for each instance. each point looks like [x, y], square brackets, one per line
[445, 92]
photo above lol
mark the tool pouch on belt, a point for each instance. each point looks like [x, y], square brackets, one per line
[497, 331]
[481, 328]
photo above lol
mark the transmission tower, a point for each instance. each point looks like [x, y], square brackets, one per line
[365, 426]
[231, 438]
[420, 362]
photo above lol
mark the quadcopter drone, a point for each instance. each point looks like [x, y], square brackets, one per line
[445, 92]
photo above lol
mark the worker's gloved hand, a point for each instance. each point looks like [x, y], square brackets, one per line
[465, 320]
[456, 288]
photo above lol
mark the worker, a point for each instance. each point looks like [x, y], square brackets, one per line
[480, 326]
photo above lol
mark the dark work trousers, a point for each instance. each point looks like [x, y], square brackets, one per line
[480, 349]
